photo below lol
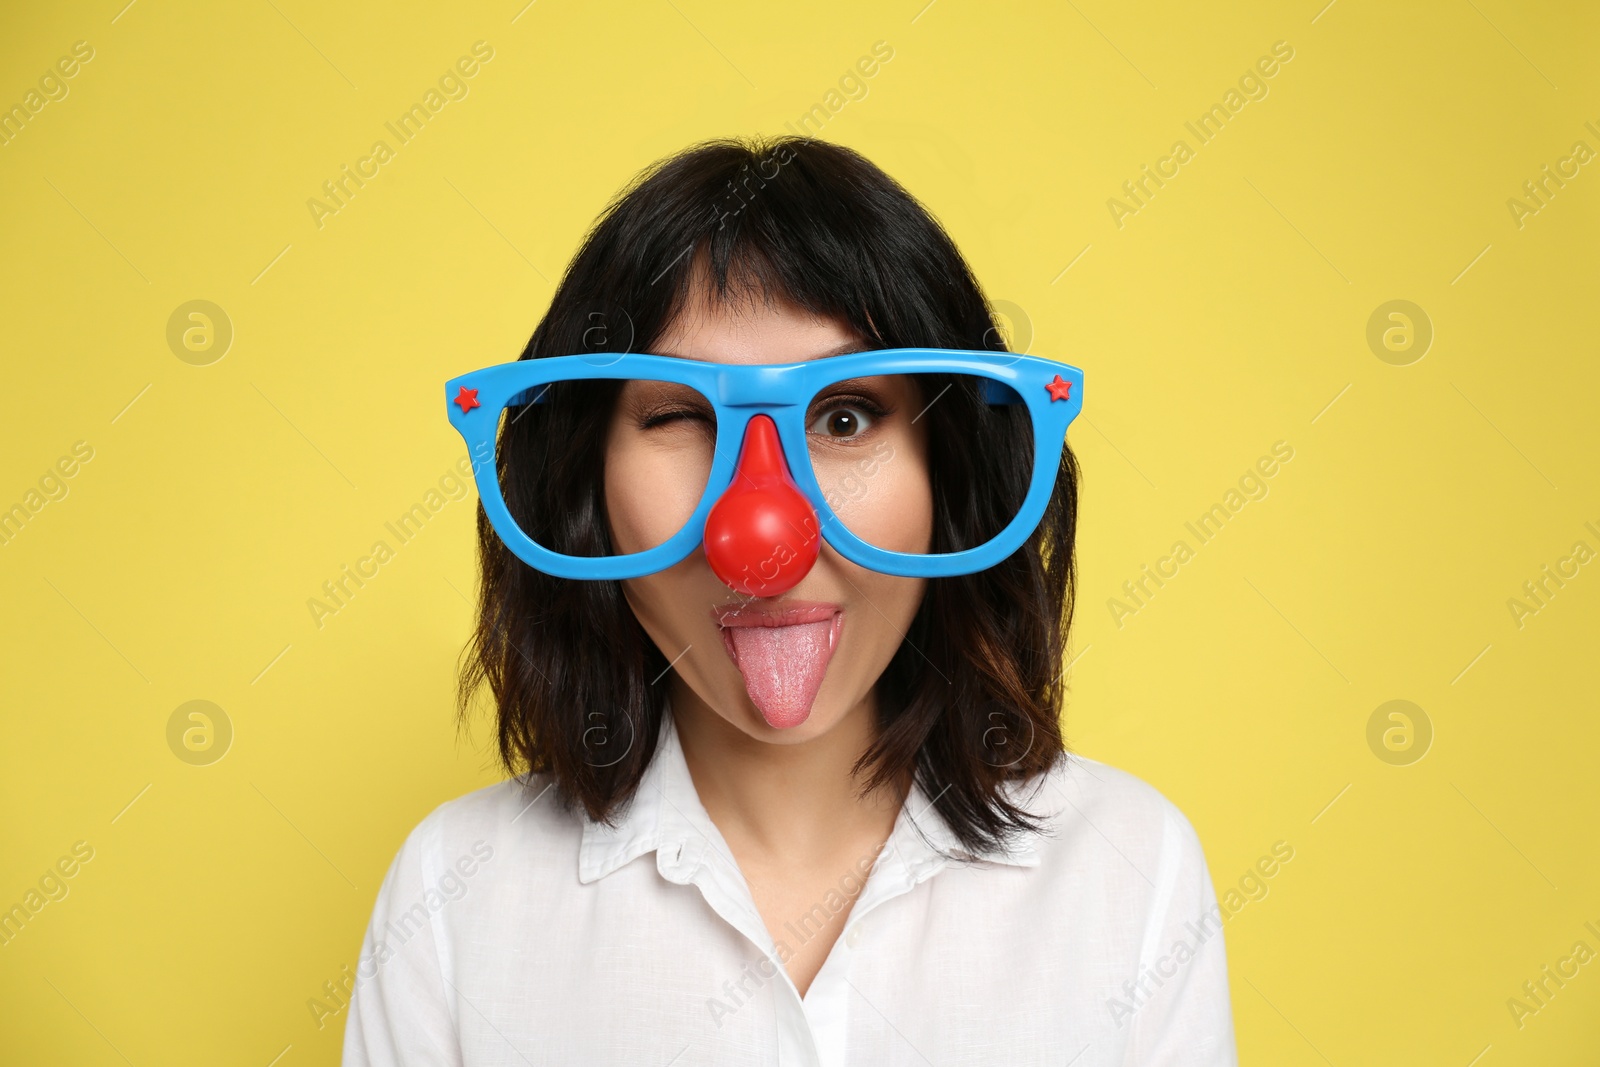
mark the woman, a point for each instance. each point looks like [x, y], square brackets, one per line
[806, 811]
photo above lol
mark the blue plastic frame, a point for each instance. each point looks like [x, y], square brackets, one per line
[782, 391]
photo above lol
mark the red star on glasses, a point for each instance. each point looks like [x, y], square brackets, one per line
[1059, 390]
[468, 399]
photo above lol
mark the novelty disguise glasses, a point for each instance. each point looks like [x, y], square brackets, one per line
[758, 461]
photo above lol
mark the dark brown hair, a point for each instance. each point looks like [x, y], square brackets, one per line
[973, 696]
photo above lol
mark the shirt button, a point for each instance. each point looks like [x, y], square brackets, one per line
[852, 936]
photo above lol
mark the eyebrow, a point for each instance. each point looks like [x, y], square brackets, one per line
[844, 349]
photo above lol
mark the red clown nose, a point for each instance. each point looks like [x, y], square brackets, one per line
[761, 536]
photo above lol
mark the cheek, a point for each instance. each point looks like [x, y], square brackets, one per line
[889, 504]
[650, 493]
[653, 602]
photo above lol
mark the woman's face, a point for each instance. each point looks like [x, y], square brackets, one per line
[789, 667]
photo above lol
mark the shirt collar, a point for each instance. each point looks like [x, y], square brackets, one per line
[666, 816]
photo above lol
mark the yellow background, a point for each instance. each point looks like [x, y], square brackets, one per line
[1229, 313]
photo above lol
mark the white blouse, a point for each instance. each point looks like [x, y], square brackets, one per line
[509, 932]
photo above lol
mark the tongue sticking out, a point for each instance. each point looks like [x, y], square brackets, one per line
[782, 667]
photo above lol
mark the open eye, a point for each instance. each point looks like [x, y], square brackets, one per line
[841, 422]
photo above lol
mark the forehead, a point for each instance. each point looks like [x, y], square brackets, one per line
[750, 330]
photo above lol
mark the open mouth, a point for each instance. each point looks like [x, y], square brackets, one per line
[783, 652]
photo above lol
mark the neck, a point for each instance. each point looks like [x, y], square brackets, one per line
[786, 803]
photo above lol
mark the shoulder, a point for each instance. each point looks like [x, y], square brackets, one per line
[512, 820]
[446, 890]
[1126, 865]
[1094, 814]
[528, 801]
